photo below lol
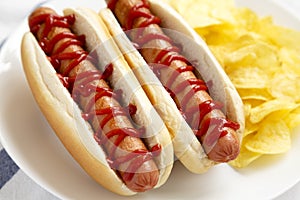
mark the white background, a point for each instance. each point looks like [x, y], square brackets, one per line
[12, 12]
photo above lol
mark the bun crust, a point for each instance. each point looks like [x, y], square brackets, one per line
[89, 23]
[197, 50]
[64, 115]
[187, 148]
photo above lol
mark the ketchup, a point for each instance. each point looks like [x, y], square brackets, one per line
[163, 60]
[82, 85]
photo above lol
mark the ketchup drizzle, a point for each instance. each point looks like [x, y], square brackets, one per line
[83, 87]
[163, 60]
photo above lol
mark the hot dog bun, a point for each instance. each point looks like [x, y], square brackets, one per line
[187, 148]
[64, 115]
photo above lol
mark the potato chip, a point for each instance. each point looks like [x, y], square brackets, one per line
[249, 77]
[245, 39]
[281, 114]
[226, 53]
[260, 112]
[202, 13]
[281, 36]
[220, 53]
[253, 102]
[273, 137]
[245, 157]
[259, 54]
[285, 84]
[250, 127]
[262, 60]
[293, 119]
[219, 34]
[247, 109]
[260, 94]
[289, 58]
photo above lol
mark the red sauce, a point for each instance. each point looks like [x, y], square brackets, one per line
[142, 157]
[82, 86]
[147, 38]
[163, 60]
[112, 4]
[136, 12]
[164, 52]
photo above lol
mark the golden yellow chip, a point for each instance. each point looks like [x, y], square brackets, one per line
[245, 18]
[281, 36]
[289, 58]
[285, 84]
[242, 41]
[262, 60]
[249, 77]
[245, 157]
[247, 109]
[250, 128]
[220, 53]
[260, 112]
[272, 137]
[219, 34]
[254, 103]
[201, 13]
[258, 54]
[293, 119]
[261, 94]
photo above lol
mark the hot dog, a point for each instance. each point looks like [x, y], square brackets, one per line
[93, 101]
[201, 101]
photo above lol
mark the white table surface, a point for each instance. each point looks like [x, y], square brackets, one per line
[11, 13]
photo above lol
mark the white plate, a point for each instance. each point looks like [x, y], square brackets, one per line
[32, 144]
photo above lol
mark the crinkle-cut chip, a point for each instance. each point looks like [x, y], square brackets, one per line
[249, 77]
[245, 157]
[259, 112]
[261, 94]
[202, 13]
[272, 137]
[285, 84]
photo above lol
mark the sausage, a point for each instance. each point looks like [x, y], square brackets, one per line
[126, 152]
[216, 133]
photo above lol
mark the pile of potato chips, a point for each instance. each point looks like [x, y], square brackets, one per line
[262, 60]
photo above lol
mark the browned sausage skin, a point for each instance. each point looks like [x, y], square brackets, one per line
[216, 133]
[126, 152]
